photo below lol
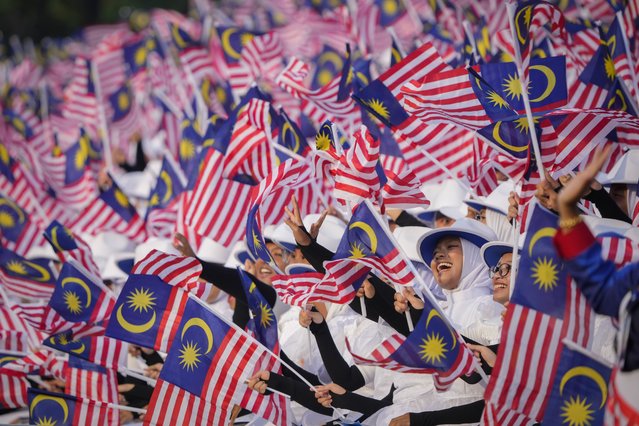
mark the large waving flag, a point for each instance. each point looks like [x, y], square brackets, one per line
[79, 297]
[25, 278]
[365, 241]
[162, 209]
[49, 408]
[580, 388]
[100, 350]
[302, 289]
[263, 324]
[17, 231]
[544, 308]
[211, 360]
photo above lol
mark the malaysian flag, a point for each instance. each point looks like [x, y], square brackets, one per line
[80, 101]
[366, 241]
[302, 289]
[17, 231]
[193, 56]
[100, 350]
[62, 409]
[69, 246]
[80, 297]
[178, 271]
[25, 278]
[434, 347]
[579, 389]
[162, 209]
[13, 388]
[544, 308]
[85, 379]
[212, 360]
[148, 310]
[111, 211]
[263, 325]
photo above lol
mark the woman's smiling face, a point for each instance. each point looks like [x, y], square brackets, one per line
[447, 263]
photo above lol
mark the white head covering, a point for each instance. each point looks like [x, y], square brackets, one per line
[474, 272]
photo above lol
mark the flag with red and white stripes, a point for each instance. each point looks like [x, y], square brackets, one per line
[85, 379]
[18, 232]
[218, 207]
[62, 408]
[69, 246]
[402, 190]
[178, 271]
[100, 350]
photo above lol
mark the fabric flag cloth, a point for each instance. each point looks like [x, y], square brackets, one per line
[434, 347]
[161, 213]
[147, 312]
[211, 360]
[366, 242]
[544, 308]
[13, 389]
[580, 388]
[263, 325]
[69, 246]
[67, 410]
[178, 271]
[85, 379]
[80, 298]
[302, 289]
[25, 278]
[17, 231]
[100, 350]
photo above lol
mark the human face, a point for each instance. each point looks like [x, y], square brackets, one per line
[447, 262]
[442, 221]
[501, 285]
[263, 270]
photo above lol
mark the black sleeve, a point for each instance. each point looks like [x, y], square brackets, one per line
[347, 376]
[469, 413]
[383, 305]
[140, 160]
[152, 358]
[316, 254]
[229, 281]
[298, 391]
[361, 404]
[475, 377]
[606, 205]
[286, 371]
[407, 219]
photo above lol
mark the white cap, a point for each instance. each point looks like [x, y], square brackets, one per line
[330, 233]
[42, 252]
[626, 170]
[161, 244]
[111, 269]
[281, 235]
[239, 253]
[212, 251]
[407, 237]
[136, 184]
[447, 198]
[497, 200]
[107, 243]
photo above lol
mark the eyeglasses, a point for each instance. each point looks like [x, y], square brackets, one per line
[502, 270]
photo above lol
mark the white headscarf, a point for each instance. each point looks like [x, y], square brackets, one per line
[474, 272]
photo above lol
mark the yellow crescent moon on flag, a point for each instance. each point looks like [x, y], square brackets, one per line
[551, 80]
[369, 231]
[7, 359]
[54, 239]
[134, 328]
[433, 313]
[226, 43]
[521, 39]
[13, 206]
[177, 37]
[61, 402]
[82, 284]
[586, 372]
[618, 93]
[4, 155]
[331, 57]
[169, 186]
[44, 274]
[500, 141]
[80, 349]
[612, 40]
[542, 233]
[286, 128]
[199, 322]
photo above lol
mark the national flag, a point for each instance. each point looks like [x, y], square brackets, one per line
[69, 246]
[544, 308]
[111, 211]
[13, 391]
[6, 164]
[41, 362]
[18, 123]
[580, 388]
[328, 64]
[25, 278]
[262, 56]
[12, 340]
[403, 190]
[67, 410]
[263, 325]
[233, 40]
[193, 55]
[177, 271]
[161, 212]
[80, 101]
[211, 360]
[434, 347]
[218, 206]
[17, 231]
[100, 350]
[302, 289]
[290, 136]
[366, 242]
[147, 312]
[390, 11]
[80, 297]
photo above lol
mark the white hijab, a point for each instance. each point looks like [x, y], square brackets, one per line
[474, 271]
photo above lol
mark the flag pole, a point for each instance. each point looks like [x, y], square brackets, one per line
[511, 7]
[420, 280]
[631, 62]
[239, 330]
[106, 141]
[125, 408]
[128, 372]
